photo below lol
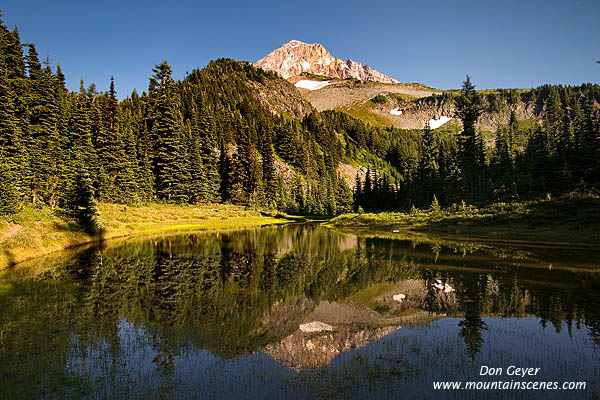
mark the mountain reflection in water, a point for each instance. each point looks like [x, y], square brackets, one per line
[218, 315]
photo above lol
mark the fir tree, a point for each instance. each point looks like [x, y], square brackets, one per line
[428, 165]
[209, 156]
[268, 168]
[225, 165]
[344, 201]
[9, 197]
[468, 106]
[82, 204]
[169, 159]
[358, 197]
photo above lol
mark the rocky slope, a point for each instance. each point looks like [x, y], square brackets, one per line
[401, 112]
[411, 106]
[281, 97]
[346, 93]
[296, 57]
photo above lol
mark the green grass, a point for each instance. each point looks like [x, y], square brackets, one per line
[363, 112]
[451, 127]
[573, 218]
[402, 96]
[526, 124]
[418, 85]
[38, 231]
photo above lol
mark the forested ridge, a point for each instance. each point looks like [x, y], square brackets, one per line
[210, 138]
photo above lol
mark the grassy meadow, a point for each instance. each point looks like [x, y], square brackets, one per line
[574, 218]
[38, 231]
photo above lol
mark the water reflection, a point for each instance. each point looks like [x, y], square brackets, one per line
[174, 313]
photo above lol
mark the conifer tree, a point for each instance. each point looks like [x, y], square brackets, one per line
[343, 200]
[197, 179]
[9, 197]
[358, 197]
[82, 150]
[468, 110]
[225, 166]
[209, 156]
[268, 168]
[34, 66]
[116, 156]
[538, 159]
[298, 196]
[367, 191]
[169, 159]
[12, 148]
[81, 203]
[428, 165]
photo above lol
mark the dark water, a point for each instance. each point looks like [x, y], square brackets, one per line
[218, 315]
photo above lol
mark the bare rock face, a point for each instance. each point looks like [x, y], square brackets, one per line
[296, 57]
[302, 350]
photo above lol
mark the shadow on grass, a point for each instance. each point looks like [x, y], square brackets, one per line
[10, 258]
[95, 235]
[567, 215]
[294, 218]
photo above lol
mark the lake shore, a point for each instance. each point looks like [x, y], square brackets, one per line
[572, 218]
[36, 232]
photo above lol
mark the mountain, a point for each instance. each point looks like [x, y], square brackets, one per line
[296, 57]
[378, 99]
[232, 132]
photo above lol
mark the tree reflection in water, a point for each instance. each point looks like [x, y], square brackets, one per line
[237, 293]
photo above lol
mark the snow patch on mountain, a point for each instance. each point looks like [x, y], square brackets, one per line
[396, 111]
[436, 123]
[311, 85]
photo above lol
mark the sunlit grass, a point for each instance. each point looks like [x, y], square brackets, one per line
[38, 231]
[364, 111]
[573, 217]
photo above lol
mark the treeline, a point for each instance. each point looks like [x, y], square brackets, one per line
[207, 138]
[557, 154]
[213, 137]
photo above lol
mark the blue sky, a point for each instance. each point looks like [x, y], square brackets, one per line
[499, 43]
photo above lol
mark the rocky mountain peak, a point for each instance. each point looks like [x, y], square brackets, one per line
[296, 57]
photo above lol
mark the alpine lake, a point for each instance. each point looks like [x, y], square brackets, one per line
[300, 311]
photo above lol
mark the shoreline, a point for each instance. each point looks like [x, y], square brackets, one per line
[572, 219]
[40, 232]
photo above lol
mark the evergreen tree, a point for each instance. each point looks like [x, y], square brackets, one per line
[82, 204]
[118, 171]
[268, 168]
[83, 152]
[358, 197]
[225, 167]
[428, 165]
[344, 201]
[169, 159]
[538, 160]
[471, 146]
[468, 106]
[367, 191]
[9, 197]
[209, 157]
[198, 182]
